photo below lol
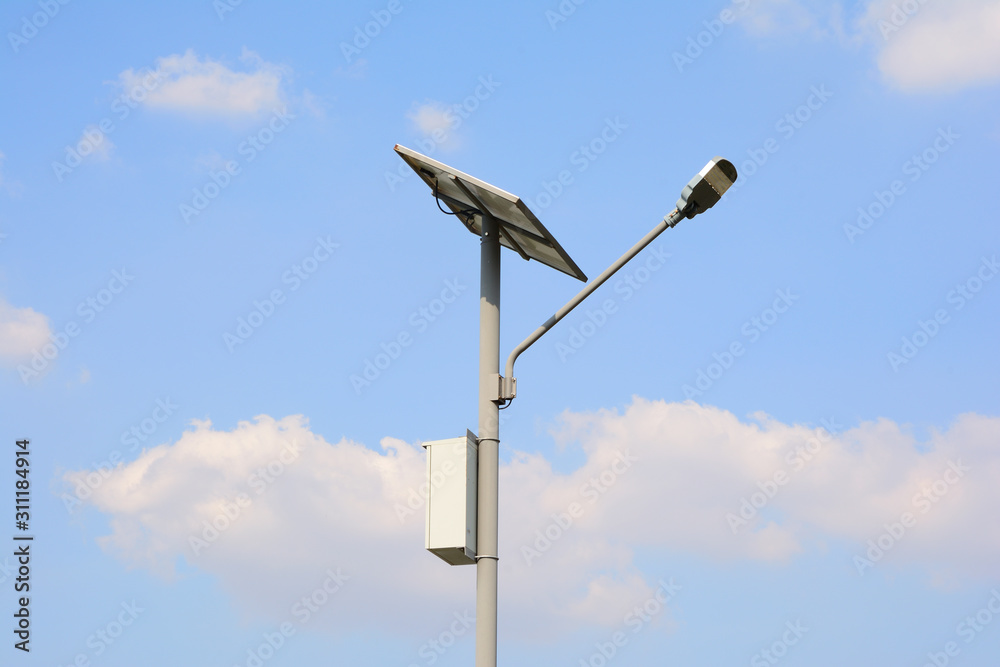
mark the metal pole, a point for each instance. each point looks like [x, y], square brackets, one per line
[489, 445]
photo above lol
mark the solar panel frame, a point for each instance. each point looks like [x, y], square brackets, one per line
[468, 198]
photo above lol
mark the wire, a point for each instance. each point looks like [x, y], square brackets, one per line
[466, 215]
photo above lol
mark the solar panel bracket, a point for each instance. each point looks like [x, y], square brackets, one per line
[508, 388]
[513, 242]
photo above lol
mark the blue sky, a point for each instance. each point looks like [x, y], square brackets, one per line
[206, 239]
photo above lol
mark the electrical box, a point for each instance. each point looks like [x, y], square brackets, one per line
[452, 498]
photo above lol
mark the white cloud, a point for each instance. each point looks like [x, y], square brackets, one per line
[335, 505]
[943, 46]
[331, 507]
[700, 462]
[430, 117]
[765, 18]
[94, 144]
[189, 84]
[314, 104]
[436, 122]
[356, 70]
[920, 45]
[22, 331]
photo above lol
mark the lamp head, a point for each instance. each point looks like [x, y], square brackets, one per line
[707, 187]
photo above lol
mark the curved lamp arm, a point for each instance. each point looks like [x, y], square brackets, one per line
[699, 195]
[509, 383]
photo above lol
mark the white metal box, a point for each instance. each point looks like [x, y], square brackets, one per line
[452, 481]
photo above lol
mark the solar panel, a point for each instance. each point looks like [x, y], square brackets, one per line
[468, 198]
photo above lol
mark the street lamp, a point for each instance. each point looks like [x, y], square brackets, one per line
[500, 218]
